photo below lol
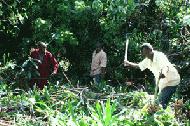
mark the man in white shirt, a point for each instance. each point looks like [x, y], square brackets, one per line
[98, 65]
[163, 70]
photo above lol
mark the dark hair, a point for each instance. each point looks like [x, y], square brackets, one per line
[99, 45]
[147, 46]
[42, 44]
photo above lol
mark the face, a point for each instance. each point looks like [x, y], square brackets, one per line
[42, 49]
[98, 49]
[146, 52]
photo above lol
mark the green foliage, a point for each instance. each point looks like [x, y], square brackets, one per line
[29, 70]
[72, 28]
[60, 106]
[63, 35]
[103, 113]
[186, 20]
[40, 27]
[98, 6]
[6, 71]
[73, 24]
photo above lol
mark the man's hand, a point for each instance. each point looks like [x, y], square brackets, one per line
[126, 63]
[161, 76]
[37, 61]
[131, 64]
[54, 73]
[103, 70]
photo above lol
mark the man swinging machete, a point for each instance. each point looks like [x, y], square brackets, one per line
[165, 73]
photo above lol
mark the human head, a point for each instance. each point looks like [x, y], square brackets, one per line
[42, 46]
[99, 46]
[146, 49]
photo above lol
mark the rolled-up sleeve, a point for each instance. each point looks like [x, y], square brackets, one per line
[143, 64]
[33, 53]
[103, 60]
[54, 63]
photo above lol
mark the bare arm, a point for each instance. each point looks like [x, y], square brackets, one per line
[131, 64]
[54, 63]
[34, 55]
[103, 70]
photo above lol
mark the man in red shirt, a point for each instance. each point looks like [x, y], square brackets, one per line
[45, 62]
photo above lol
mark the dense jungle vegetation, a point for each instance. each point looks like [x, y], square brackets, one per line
[72, 28]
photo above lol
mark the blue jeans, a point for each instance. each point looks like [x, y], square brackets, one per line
[166, 95]
[97, 78]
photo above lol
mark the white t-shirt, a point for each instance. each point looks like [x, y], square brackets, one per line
[161, 63]
[98, 60]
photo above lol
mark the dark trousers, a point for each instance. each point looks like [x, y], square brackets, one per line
[166, 95]
[97, 78]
